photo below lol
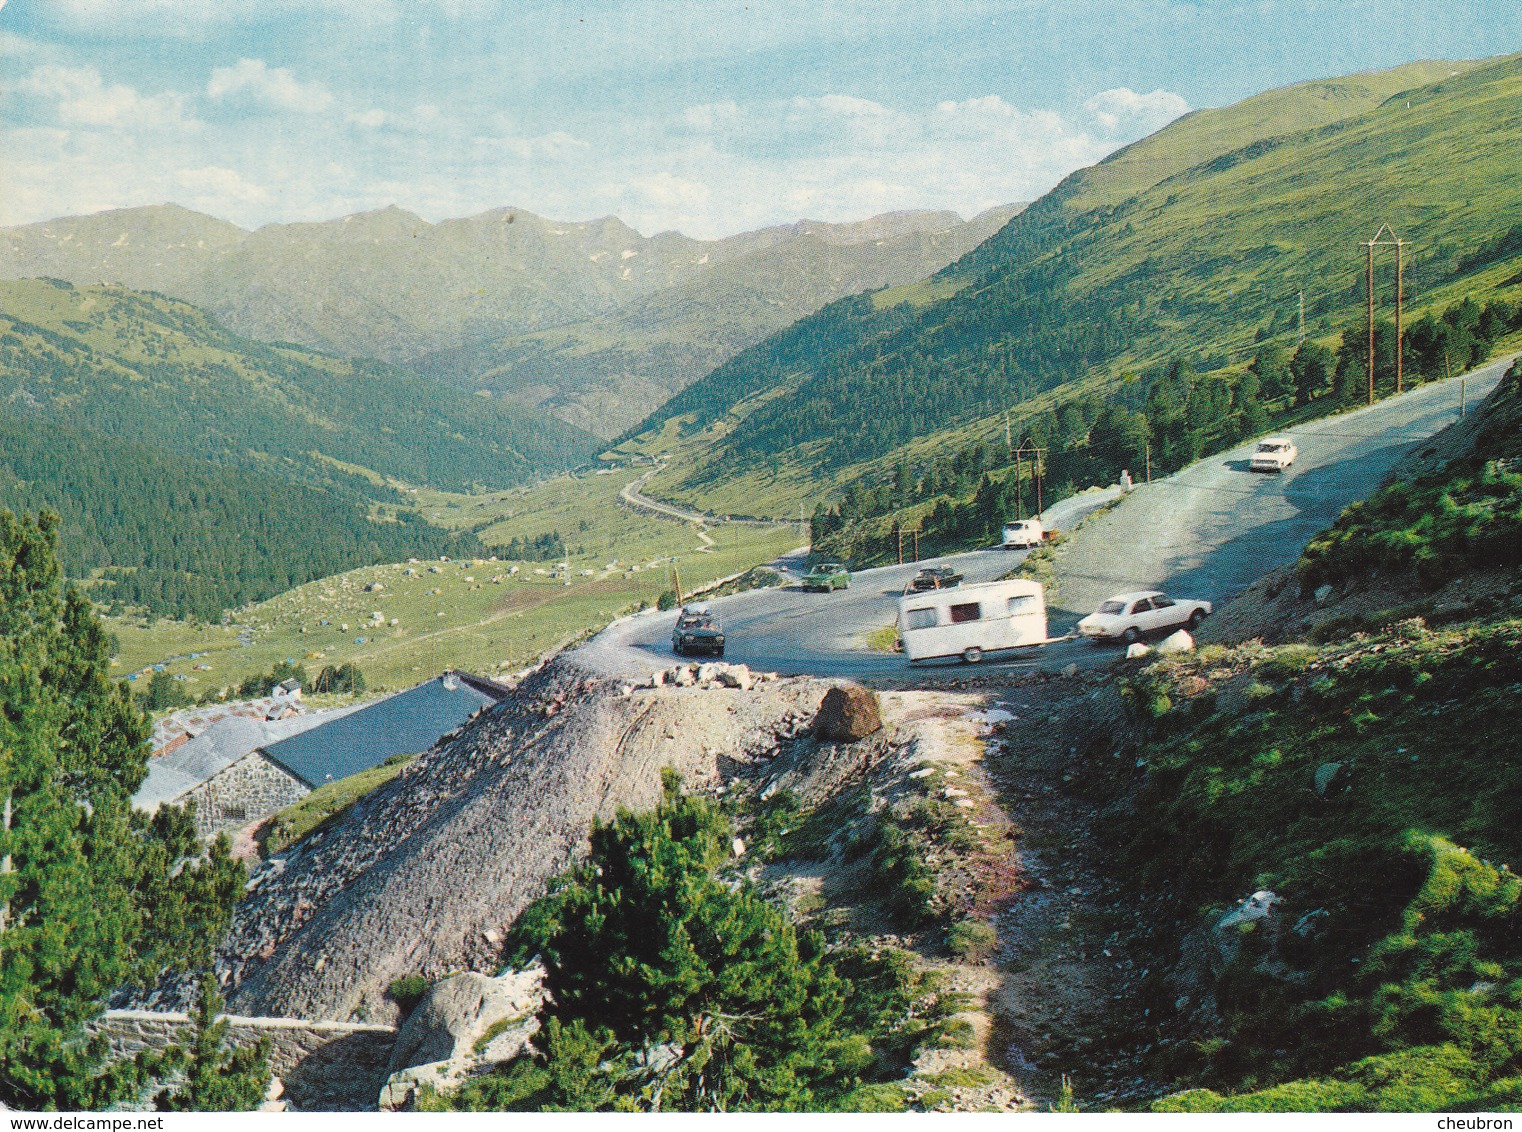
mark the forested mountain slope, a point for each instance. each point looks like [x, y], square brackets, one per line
[1196, 240]
[147, 368]
[184, 537]
[198, 470]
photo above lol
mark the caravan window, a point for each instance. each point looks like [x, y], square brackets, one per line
[968, 611]
[1024, 603]
[919, 618]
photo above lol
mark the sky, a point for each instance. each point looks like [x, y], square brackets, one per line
[707, 116]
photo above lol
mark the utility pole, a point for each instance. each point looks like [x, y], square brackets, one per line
[900, 543]
[1381, 240]
[1370, 319]
[916, 544]
[1148, 448]
[1019, 486]
[676, 583]
[1037, 455]
[1400, 298]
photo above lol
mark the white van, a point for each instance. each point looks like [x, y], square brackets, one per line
[1022, 533]
[972, 619]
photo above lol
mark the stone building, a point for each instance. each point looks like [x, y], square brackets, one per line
[241, 770]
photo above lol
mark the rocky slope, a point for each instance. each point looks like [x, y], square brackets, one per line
[424, 876]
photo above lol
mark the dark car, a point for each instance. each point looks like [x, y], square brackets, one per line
[935, 578]
[697, 631]
[827, 577]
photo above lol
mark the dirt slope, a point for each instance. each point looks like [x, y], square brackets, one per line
[424, 876]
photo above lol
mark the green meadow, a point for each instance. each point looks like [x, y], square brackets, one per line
[404, 622]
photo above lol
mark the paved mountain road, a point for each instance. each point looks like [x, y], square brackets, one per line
[790, 631]
[1214, 528]
[1207, 531]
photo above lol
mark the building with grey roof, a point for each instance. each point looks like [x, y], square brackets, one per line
[404, 724]
[241, 770]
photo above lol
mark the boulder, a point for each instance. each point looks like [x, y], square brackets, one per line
[1177, 642]
[457, 1011]
[1258, 915]
[737, 676]
[847, 713]
[1326, 774]
[400, 1092]
[708, 673]
[1136, 649]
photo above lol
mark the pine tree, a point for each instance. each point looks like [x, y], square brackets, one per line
[94, 895]
[672, 988]
[210, 1075]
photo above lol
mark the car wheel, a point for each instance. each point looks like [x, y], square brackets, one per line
[1131, 635]
[1195, 618]
[972, 654]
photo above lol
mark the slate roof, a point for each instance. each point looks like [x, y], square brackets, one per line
[217, 748]
[407, 723]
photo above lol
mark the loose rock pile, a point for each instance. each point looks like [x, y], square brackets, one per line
[423, 876]
[710, 675]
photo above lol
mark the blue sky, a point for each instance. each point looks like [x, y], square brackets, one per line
[710, 116]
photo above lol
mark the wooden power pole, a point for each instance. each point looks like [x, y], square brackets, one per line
[1385, 238]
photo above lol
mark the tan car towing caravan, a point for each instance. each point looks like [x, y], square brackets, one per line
[971, 620]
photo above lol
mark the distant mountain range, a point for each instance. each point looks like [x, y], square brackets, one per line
[591, 321]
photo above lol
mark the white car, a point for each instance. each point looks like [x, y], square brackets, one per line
[1129, 617]
[1274, 454]
[1023, 533]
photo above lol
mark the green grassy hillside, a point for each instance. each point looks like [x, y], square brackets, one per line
[1198, 240]
[195, 470]
[1367, 781]
[144, 367]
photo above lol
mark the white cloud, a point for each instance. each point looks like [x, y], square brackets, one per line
[272, 87]
[554, 146]
[1122, 110]
[212, 182]
[180, 19]
[371, 119]
[666, 190]
[711, 115]
[84, 99]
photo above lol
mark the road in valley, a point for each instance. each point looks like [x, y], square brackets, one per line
[1208, 531]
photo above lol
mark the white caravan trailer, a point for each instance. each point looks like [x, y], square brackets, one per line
[968, 621]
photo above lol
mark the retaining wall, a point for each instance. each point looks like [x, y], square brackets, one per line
[324, 1066]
